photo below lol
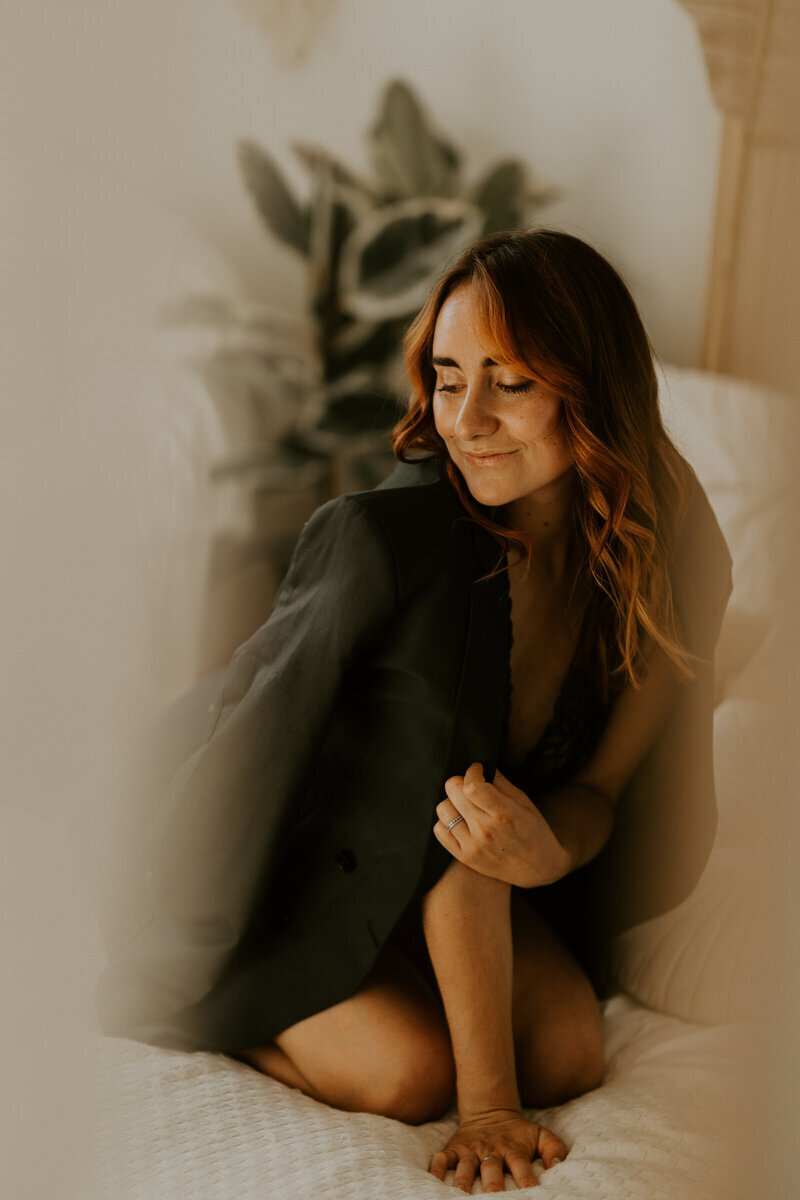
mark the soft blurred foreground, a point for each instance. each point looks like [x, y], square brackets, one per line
[109, 526]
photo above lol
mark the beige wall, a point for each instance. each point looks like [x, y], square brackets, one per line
[608, 100]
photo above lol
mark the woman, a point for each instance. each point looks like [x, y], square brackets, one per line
[388, 873]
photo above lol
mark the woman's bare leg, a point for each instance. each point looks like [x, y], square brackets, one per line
[386, 1049]
[271, 1060]
[558, 1026]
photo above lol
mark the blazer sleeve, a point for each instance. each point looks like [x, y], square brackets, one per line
[216, 835]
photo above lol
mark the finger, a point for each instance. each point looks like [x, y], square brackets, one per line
[465, 1172]
[464, 804]
[492, 1174]
[448, 839]
[441, 1163]
[448, 812]
[550, 1147]
[521, 1169]
[454, 789]
[483, 796]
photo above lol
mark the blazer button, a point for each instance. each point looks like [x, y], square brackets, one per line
[345, 860]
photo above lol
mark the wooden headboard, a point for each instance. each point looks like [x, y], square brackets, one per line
[752, 52]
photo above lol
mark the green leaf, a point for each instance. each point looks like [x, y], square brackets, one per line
[506, 195]
[315, 158]
[409, 159]
[331, 224]
[274, 201]
[501, 193]
[364, 343]
[392, 256]
[360, 412]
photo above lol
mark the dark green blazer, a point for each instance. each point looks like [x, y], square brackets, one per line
[287, 844]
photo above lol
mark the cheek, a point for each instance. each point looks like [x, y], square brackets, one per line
[440, 418]
[545, 428]
[558, 444]
[565, 450]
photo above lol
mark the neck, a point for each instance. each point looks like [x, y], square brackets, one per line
[546, 516]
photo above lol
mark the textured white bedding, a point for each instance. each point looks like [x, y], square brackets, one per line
[202, 1126]
[163, 1124]
[674, 1116]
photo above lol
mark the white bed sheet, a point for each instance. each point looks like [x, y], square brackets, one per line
[674, 1118]
[205, 1127]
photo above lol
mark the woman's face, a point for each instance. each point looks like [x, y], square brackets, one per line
[502, 429]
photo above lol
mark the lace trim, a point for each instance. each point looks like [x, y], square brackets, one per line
[568, 739]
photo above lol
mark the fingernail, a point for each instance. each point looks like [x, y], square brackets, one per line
[553, 1161]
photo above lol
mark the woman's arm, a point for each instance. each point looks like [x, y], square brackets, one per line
[506, 836]
[581, 813]
[467, 923]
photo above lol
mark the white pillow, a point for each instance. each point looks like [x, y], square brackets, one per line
[742, 440]
[706, 961]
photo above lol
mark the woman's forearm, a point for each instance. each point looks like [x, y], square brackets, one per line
[467, 923]
[582, 819]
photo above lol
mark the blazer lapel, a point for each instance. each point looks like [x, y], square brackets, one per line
[481, 707]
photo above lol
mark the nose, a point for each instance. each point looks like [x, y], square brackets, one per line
[475, 417]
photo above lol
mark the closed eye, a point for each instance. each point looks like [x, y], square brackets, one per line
[515, 389]
[511, 389]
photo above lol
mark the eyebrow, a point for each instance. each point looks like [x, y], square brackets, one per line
[439, 361]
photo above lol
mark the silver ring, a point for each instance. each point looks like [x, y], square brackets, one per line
[486, 1157]
[454, 821]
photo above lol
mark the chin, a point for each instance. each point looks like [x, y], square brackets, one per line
[494, 493]
[491, 496]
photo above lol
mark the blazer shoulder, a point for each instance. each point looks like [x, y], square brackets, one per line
[421, 519]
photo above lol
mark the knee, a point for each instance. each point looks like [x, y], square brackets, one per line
[418, 1084]
[584, 1067]
[564, 1061]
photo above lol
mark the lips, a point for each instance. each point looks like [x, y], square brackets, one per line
[487, 460]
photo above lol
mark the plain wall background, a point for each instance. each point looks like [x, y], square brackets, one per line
[607, 100]
[118, 125]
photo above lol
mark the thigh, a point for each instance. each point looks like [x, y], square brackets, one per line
[558, 1028]
[384, 1049]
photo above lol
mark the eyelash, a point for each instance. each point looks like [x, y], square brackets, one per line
[512, 389]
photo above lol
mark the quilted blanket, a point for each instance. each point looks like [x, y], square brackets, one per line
[205, 1127]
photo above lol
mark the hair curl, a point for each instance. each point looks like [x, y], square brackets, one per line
[559, 312]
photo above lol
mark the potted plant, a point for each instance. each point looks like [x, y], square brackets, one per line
[322, 388]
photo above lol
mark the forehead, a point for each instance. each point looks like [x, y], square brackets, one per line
[462, 323]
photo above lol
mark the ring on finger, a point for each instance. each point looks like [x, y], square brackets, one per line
[450, 825]
[486, 1157]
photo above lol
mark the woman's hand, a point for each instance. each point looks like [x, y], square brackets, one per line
[511, 1140]
[503, 833]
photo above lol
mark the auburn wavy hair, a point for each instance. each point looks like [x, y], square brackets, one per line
[558, 312]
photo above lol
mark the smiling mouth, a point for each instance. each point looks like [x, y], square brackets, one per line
[487, 460]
